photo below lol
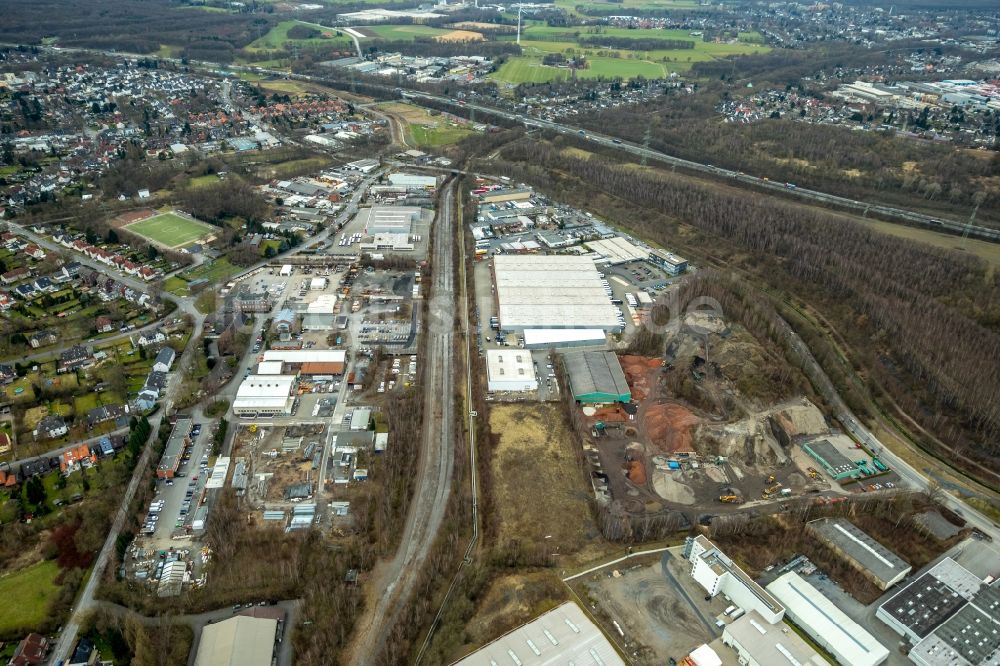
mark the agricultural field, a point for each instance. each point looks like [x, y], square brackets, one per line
[408, 32]
[539, 489]
[277, 37]
[27, 596]
[171, 230]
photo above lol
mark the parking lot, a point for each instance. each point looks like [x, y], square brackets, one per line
[179, 495]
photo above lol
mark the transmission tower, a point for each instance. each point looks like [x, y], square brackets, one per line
[645, 144]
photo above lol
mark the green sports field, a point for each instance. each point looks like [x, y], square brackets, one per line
[170, 230]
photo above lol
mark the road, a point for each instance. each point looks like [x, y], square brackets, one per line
[392, 580]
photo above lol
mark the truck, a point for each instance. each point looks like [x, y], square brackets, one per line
[729, 499]
[879, 465]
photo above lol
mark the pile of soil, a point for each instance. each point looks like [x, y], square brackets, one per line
[797, 420]
[638, 371]
[669, 427]
[636, 473]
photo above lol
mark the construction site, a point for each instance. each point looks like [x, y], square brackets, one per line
[710, 427]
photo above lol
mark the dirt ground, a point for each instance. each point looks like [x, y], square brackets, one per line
[513, 600]
[460, 36]
[540, 493]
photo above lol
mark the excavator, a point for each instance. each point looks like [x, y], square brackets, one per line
[730, 499]
[770, 490]
[813, 474]
[770, 479]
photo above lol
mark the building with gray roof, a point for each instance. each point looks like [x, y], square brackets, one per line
[596, 377]
[876, 562]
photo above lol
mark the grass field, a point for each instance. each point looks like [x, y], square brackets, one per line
[425, 130]
[277, 37]
[27, 595]
[403, 32]
[540, 494]
[203, 181]
[171, 230]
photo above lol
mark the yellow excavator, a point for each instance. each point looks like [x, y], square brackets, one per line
[813, 474]
[771, 490]
[730, 499]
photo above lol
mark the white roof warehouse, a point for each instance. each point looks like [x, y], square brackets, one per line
[539, 292]
[265, 394]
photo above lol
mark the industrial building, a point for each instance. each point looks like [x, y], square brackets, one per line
[870, 558]
[296, 358]
[835, 463]
[949, 615]
[714, 571]
[265, 395]
[510, 370]
[284, 322]
[668, 261]
[412, 181]
[759, 643]
[238, 641]
[388, 243]
[388, 219]
[547, 338]
[563, 635]
[170, 462]
[848, 642]
[551, 292]
[617, 250]
[596, 377]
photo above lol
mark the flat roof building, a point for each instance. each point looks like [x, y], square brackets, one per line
[270, 368]
[848, 642]
[596, 377]
[299, 356]
[546, 338]
[412, 181]
[831, 459]
[714, 571]
[238, 641]
[174, 450]
[876, 562]
[617, 250]
[759, 643]
[949, 615]
[388, 219]
[563, 635]
[510, 370]
[264, 395]
[668, 261]
[561, 292]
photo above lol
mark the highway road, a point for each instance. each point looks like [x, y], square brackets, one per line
[392, 581]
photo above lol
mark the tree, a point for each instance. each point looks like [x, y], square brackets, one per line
[34, 491]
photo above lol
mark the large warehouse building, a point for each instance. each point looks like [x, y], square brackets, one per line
[758, 643]
[388, 219]
[714, 571]
[552, 292]
[238, 641]
[835, 463]
[563, 635]
[333, 360]
[866, 555]
[949, 615]
[264, 395]
[510, 370]
[848, 642]
[596, 377]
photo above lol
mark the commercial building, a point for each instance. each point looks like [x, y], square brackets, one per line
[563, 635]
[510, 370]
[264, 395]
[848, 642]
[284, 322]
[388, 243]
[714, 571]
[270, 368]
[596, 377]
[617, 250]
[833, 462]
[295, 358]
[668, 261]
[870, 558]
[174, 451]
[551, 292]
[412, 181]
[238, 641]
[949, 615]
[759, 643]
[547, 338]
[388, 219]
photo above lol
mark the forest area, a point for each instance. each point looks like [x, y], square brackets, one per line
[922, 322]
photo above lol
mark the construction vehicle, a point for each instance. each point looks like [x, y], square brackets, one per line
[770, 490]
[813, 474]
[730, 499]
[770, 479]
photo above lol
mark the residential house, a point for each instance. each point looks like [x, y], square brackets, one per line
[14, 275]
[8, 478]
[73, 458]
[104, 324]
[8, 373]
[34, 467]
[164, 359]
[74, 358]
[33, 649]
[147, 273]
[44, 284]
[104, 413]
[84, 654]
[6, 302]
[42, 338]
[147, 338]
[50, 427]
[25, 291]
[34, 252]
[156, 381]
[146, 400]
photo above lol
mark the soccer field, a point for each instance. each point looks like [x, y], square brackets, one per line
[170, 230]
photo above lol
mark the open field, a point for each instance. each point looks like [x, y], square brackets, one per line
[426, 130]
[277, 37]
[171, 230]
[571, 5]
[540, 493]
[212, 271]
[27, 595]
[402, 32]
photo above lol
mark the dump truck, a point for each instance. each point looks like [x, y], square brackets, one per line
[729, 499]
